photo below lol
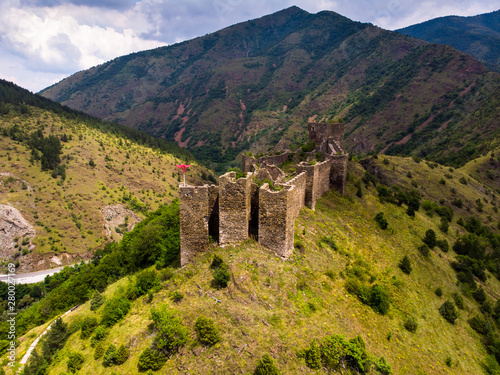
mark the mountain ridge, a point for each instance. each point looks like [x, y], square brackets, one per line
[253, 86]
[477, 35]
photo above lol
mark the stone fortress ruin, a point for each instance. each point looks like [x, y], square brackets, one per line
[264, 203]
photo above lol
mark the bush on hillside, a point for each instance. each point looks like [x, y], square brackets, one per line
[114, 310]
[75, 362]
[449, 312]
[405, 265]
[411, 324]
[88, 326]
[266, 366]
[381, 221]
[206, 331]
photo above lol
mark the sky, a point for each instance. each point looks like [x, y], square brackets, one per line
[44, 41]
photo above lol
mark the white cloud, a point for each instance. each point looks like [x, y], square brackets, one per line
[60, 39]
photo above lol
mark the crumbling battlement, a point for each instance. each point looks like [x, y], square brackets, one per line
[193, 211]
[276, 219]
[321, 132]
[317, 180]
[234, 208]
[248, 161]
[238, 208]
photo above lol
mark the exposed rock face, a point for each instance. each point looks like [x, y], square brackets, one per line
[118, 219]
[12, 226]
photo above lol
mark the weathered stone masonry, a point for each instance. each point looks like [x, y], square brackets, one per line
[238, 209]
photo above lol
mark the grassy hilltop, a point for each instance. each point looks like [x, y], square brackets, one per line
[281, 307]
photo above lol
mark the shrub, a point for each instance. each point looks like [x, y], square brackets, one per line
[438, 291]
[109, 358]
[448, 311]
[177, 296]
[313, 356]
[405, 265]
[122, 355]
[114, 310]
[171, 333]
[383, 366]
[88, 326]
[459, 301]
[151, 359]
[145, 280]
[444, 225]
[443, 245]
[424, 250]
[430, 238]
[99, 335]
[75, 362]
[206, 331]
[479, 295]
[221, 275]
[167, 274]
[379, 299]
[96, 301]
[217, 261]
[99, 351]
[266, 366]
[411, 324]
[480, 325]
[381, 221]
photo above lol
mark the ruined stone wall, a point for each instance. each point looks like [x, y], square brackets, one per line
[319, 132]
[193, 212]
[317, 180]
[338, 172]
[248, 161]
[299, 193]
[234, 208]
[276, 219]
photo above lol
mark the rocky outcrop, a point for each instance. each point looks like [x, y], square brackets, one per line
[118, 219]
[15, 232]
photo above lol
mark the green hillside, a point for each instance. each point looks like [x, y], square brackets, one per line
[78, 181]
[345, 278]
[255, 85]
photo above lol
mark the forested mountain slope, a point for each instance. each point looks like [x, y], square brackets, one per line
[70, 183]
[255, 85]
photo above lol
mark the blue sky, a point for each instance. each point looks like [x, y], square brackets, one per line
[44, 41]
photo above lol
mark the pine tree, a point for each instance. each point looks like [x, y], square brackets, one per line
[96, 301]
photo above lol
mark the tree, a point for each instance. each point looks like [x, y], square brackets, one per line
[54, 339]
[430, 238]
[96, 301]
[405, 265]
